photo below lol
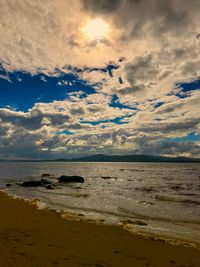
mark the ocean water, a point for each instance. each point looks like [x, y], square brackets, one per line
[164, 196]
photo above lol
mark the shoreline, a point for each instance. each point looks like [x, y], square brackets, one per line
[33, 237]
[135, 226]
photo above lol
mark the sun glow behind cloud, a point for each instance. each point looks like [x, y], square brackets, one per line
[96, 29]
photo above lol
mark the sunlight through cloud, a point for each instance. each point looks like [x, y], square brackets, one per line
[96, 29]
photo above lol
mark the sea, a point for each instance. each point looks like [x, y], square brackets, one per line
[152, 198]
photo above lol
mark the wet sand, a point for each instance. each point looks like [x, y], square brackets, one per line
[40, 238]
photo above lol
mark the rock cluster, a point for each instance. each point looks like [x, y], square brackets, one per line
[49, 184]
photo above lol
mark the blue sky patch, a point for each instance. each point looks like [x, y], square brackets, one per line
[190, 86]
[21, 90]
[115, 103]
[67, 132]
[192, 137]
[109, 69]
[159, 104]
[186, 88]
[117, 120]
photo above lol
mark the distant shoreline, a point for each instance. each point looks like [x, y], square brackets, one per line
[115, 158]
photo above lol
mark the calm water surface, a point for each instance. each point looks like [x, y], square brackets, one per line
[165, 196]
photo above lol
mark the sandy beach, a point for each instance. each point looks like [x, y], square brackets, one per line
[31, 237]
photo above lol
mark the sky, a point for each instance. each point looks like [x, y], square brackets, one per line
[84, 77]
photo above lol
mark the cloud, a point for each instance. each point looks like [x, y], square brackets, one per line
[160, 45]
[34, 119]
[44, 36]
[96, 130]
[171, 148]
[159, 17]
[127, 97]
[101, 6]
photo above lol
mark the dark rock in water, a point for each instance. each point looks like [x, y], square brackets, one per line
[8, 185]
[140, 223]
[35, 183]
[45, 174]
[45, 182]
[108, 177]
[49, 186]
[70, 179]
[31, 183]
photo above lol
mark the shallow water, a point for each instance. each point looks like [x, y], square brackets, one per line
[165, 196]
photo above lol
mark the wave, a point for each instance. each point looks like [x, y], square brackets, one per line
[77, 195]
[138, 215]
[175, 199]
[134, 170]
[146, 189]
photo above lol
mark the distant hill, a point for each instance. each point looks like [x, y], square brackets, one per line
[117, 158]
[130, 158]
